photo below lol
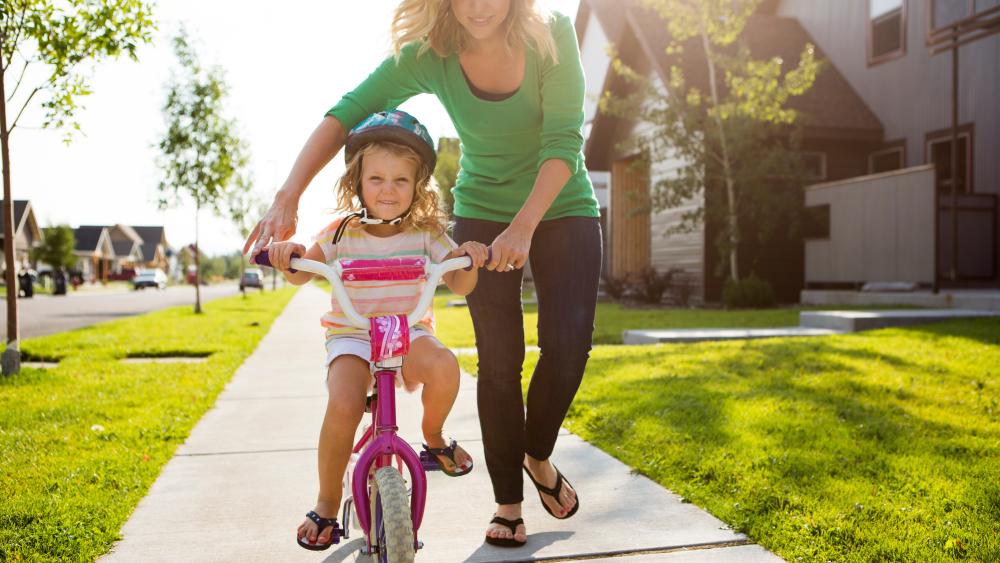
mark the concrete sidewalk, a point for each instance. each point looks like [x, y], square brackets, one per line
[240, 485]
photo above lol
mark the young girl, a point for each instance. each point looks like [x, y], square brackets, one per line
[388, 185]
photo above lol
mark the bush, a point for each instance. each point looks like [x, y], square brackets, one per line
[751, 292]
[681, 290]
[615, 286]
[650, 284]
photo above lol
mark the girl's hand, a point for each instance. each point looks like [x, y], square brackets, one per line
[510, 249]
[277, 225]
[280, 254]
[475, 250]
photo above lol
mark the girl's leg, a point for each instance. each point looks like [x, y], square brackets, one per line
[495, 306]
[566, 265]
[347, 384]
[433, 365]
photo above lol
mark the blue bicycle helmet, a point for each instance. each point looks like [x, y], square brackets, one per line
[394, 126]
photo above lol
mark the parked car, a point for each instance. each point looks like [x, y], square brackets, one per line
[252, 277]
[150, 278]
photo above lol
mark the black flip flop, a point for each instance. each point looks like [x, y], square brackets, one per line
[323, 524]
[512, 526]
[448, 452]
[553, 492]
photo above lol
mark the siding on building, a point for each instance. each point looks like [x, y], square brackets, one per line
[912, 94]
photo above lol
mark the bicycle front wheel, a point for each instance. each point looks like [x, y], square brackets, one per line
[391, 523]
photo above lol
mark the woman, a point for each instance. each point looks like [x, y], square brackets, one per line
[510, 77]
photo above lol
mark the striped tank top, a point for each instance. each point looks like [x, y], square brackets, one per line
[375, 298]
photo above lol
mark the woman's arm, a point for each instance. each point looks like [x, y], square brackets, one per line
[392, 83]
[513, 244]
[279, 222]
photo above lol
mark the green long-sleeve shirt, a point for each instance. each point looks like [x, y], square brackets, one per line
[505, 142]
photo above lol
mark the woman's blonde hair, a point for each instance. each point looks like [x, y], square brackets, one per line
[425, 210]
[433, 23]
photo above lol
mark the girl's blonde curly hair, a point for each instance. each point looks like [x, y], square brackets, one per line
[425, 211]
[433, 23]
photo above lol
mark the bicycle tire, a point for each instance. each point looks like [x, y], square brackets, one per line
[391, 523]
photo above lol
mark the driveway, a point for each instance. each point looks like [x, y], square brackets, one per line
[47, 314]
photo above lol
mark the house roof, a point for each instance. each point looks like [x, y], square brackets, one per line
[152, 237]
[123, 248]
[88, 237]
[23, 214]
[831, 108]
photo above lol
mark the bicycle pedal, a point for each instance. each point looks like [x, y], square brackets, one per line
[429, 462]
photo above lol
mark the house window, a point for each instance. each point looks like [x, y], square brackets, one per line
[886, 30]
[815, 165]
[817, 222]
[942, 13]
[888, 159]
[938, 152]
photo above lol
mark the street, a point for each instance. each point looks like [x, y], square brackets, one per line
[46, 314]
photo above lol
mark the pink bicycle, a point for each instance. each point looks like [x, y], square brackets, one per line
[385, 509]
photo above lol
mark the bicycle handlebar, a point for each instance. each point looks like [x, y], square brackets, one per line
[434, 272]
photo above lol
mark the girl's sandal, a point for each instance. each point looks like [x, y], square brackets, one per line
[512, 526]
[323, 524]
[553, 492]
[430, 456]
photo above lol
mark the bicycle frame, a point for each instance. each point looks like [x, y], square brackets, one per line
[380, 443]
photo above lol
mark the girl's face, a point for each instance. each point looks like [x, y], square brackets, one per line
[387, 183]
[481, 19]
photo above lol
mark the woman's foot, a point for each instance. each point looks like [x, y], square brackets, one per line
[499, 531]
[309, 530]
[546, 474]
[462, 458]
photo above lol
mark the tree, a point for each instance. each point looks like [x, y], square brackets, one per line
[244, 208]
[734, 143]
[57, 248]
[449, 152]
[57, 38]
[202, 155]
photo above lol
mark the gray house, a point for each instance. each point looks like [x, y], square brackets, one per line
[881, 107]
[27, 234]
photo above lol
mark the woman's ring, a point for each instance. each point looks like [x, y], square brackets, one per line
[510, 267]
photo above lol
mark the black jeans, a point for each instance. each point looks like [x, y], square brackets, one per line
[565, 261]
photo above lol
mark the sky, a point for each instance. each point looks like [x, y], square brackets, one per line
[286, 64]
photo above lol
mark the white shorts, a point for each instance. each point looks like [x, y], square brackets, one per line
[360, 346]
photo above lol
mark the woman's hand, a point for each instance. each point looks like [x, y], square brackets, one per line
[280, 254]
[510, 248]
[475, 250]
[277, 225]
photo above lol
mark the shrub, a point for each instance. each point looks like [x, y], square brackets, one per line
[750, 292]
[615, 286]
[651, 284]
[680, 290]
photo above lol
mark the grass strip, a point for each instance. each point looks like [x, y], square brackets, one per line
[81, 443]
[879, 446]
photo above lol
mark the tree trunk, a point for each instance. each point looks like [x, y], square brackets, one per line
[732, 225]
[243, 269]
[197, 262]
[11, 360]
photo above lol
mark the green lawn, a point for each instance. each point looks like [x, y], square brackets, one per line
[454, 326]
[880, 446]
[81, 443]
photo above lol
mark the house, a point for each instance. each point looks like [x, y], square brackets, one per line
[156, 252]
[898, 56]
[874, 109]
[94, 252]
[27, 234]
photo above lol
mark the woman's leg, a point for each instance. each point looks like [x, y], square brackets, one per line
[432, 364]
[566, 266]
[347, 384]
[495, 306]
